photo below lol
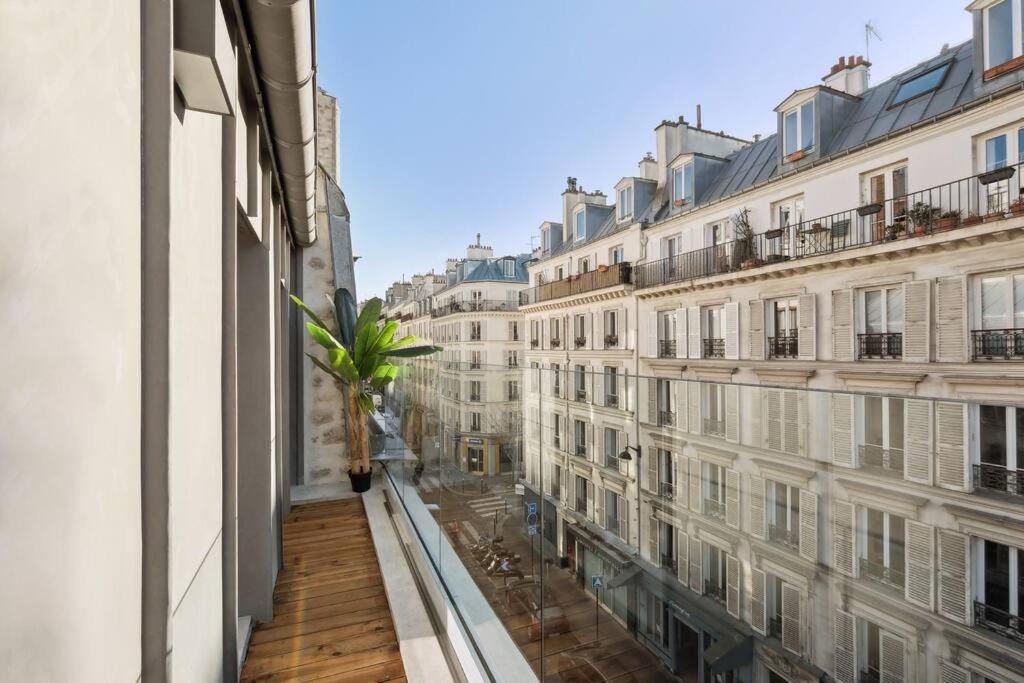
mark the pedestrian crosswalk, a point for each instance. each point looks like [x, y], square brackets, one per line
[429, 482]
[486, 507]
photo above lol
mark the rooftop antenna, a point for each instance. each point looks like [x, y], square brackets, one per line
[869, 30]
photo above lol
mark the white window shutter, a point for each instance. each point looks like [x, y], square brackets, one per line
[793, 407]
[646, 399]
[570, 490]
[844, 640]
[682, 556]
[695, 480]
[893, 658]
[597, 398]
[623, 519]
[773, 419]
[757, 601]
[652, 335]
[952, 673]
[842, 325]
[653, 530]
[682, 481]
[844, 446]
[732, 586]
[807, 327]
[732, 418]
[693, 407]
[951, 319]
[917, 319]
[792, 621]
[756, 512]
[696, 577]
[599, 506]
[843, 538]
[757, 340]
[732, 330]
[732, 498]
[808, 525]
[590, 500]
[954, 576]
[681, 338]
[951, 445]
[597, 325]
[918, 449]
[919, 550]
[652, 471]
[693, 332]
[592, 451]
[682, 410]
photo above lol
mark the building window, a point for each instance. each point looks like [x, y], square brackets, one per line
[713, 486]
[625, 202]
[560, 273]
[665, 486]
[474, 422]
[782, 513]
[616, 255]
[889, 188]
[475, 360]
[611, 447]
[580, 432]
[556, 332]
[545, 239]
[556, 379]
[556, 432]
[611, 387]
[919, 85]
[881, 311]
[613, 503]
[883, 555]
[508, 267]
[713, 409]
[1002, 32]
[579, 329]
[798, 128]
[713, 331]
[666, 545]
[580, 382]
[782, 328]
[474, 390]
[882, 437]
[682, 184]
[513, 390]
[611, 329]
[475, 459]
[475, 331]
[513, 330]
[584, 266]
[714, 572]
[581, 494]
[1000, 449]
[666, 334]
[580, 221]
[999, 328]
[999, 601]
[556, 482]
[663, 397]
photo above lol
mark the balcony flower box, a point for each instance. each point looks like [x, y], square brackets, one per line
[948, 220]
[972, 219]
[869, 209]
[1017, 207]
[611, 340]
[995, 215]
[602, 268]
[679, 203]
[996, 175]
[580, 342]
[555, 343]
[773, 234]
[796, 156]
[534, 343]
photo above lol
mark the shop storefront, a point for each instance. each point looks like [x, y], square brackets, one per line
[590, 556]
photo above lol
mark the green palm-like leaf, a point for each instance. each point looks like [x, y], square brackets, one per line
[363, 358]
[309, 311]
[383, 375]
[398, 343]
[342, 362]
[368, 316]
[321, 336]
[384, 337]
[325, 367]
[345, 311]
[365, 403]
[412, 352]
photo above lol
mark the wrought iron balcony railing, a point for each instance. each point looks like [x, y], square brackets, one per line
[869, 674]
[880, 345]
[473, 307]
[666, 490]
[714, 508]
[1005, 344]
[783, 536]
[960, 203]
[666, 418]
[611, 400]
[879, 573]
[668, 562]
[666, 348]
[713, 427]
[990, 477]
[581, 395]
[714, 591]
[580, 342]
[581, 450]
[782, 347]
[886, 459]
[714, 348]
[603, 277]
[1000, 621]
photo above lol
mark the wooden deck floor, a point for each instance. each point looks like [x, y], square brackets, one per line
[331, 616]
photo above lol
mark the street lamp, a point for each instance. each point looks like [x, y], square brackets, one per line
[624, 455]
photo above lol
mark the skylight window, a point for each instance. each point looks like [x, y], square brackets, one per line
[920, 85]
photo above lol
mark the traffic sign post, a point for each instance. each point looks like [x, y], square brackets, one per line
[597, 581]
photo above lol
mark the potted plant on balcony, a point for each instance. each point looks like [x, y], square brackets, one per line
[948, 219]
[892, 231]
[580, 342]
[1017, 206]
[745, 252]
[611, 340]
[357, 357]
[679, 202]
[923, 215]
[972, 219]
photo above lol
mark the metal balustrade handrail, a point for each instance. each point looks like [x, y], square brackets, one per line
[991, 344]
[601, 278]
[960, 203]
[474, 307]
[992, 477]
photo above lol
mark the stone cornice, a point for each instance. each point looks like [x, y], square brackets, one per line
[575, 300]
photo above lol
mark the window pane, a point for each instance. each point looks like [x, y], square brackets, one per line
[926, 82]
[992, 435]
[688, 183]
[677, 183]
[873, 312]
[790, 133]
[807, 125]
[896, 423]
[581, 225]
[873, 421]
[1000, 33]
[1018, 301]
[995, 152]
[994, 304]
[899, 182]
[894, 310]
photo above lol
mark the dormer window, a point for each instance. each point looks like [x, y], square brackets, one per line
[1002, 31]
[798, 128]
[682, 184]
[580, 221]
[625, 202]
[508, 267]
[545, 239]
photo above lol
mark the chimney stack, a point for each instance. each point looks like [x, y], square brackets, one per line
[698, 117]
[849, 75]
[649, 167]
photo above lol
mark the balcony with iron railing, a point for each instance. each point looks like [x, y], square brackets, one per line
[581, 450]
[1007, 344]
[782, 347]
[714, 508]
[714, 348]
[581, 395]
[611, 341]
[555, 342]
[889, 460]
[666, 418]
[869, 674]
[666, 348]
[479, 306]
[775, 627]
[992, 477]
[961, 203]
[580, 342]
[885, 345]
[714, 427]
[879, 573]
[666, 490]
[714, 591]
[611, 400]
[668, 562]
[999, 620]
[783, 536]
[602, 278]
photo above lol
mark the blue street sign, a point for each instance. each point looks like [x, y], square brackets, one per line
[597, 581]
[531, 508]
[531, 519]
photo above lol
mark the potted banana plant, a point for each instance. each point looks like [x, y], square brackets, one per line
[357, 357]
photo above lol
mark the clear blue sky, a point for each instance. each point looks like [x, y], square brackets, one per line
[466, 117]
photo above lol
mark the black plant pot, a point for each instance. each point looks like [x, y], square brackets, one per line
[869, 209]
[360, 481]
[996, 175]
